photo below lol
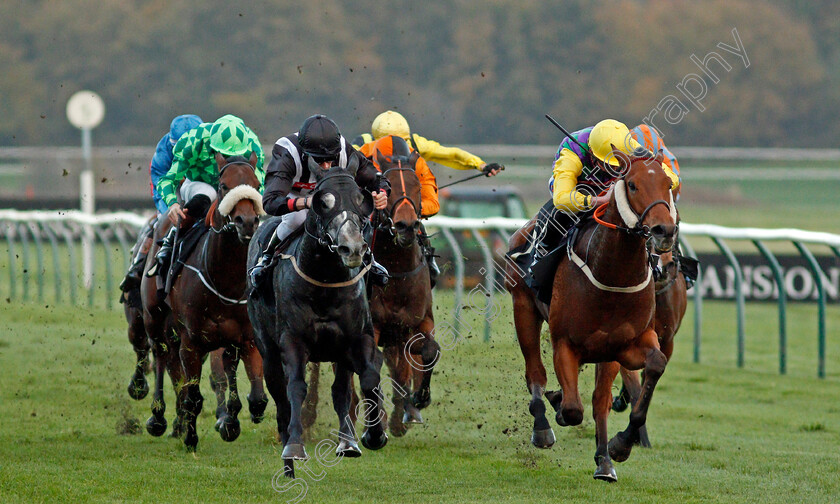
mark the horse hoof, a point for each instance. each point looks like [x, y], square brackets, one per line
[412, 416]
[396, 426]
[543, 438]
[422, 398]
[191, 442]
[229, 430]
[177, 429]
[620, 447]
[294, 452]
[257, 408]
[560, 420]
[619, 404]
[348, 448]
[219, 422]
[137, 389]
[374, 444]
[606, 474]
[156, 426]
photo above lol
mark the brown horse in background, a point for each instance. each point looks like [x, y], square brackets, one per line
[609, 323]
[403, 321]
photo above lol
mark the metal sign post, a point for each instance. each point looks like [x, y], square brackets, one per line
[85, 110]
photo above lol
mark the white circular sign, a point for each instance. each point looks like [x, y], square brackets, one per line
[85, 110]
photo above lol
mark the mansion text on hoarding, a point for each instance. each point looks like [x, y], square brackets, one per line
[759, 283]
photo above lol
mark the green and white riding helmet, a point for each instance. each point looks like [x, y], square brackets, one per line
[228, 136]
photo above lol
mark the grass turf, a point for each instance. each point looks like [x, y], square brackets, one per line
[720, 434]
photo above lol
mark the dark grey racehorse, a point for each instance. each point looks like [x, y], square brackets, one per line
[316, 311]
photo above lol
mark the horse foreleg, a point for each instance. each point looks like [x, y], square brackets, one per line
[605, 374]
[229, 430]
[566, 366]
[309, 413]
[275, 381]
[528, 323]
[347, 445]
[367, 362]
[631, 387]
[429, 351]
[176, 376]
[156, 424]
[218, 383]
[654, 365]
[294, 365]
[404, 412]
[138, 387]
[193, 400]
[257, 400]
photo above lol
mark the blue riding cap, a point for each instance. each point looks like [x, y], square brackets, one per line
[181, 125]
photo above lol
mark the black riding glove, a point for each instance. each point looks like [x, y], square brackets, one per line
[489, 167]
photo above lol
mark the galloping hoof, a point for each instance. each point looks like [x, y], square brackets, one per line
[620, 447]
[138, 387]
[229, 430]
[156, 426]
[348, 448]
[621, 401]
[294, 452]
[412, 415]
[605, 472]
[178, 428]
[422, 398]
[374, 444]
[191, 441]
[396, 425]
[257, 408]
[221, 414]
[543, 438]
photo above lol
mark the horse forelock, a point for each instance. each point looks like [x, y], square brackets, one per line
[238, 194]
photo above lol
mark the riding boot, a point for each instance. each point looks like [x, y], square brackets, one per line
[258, 271]
[429, 253]
[164, 256]
[135, 273]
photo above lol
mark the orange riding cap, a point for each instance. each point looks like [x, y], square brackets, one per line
[428, 184]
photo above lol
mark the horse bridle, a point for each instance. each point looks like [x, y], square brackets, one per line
[638, 228]
[228, 226]
[385, 216]
[324, 238]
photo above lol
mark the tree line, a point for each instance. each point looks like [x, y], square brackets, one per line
[462, 71]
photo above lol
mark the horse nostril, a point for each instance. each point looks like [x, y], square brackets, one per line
[401, 226]
[343, 250]
[256, 221]
[416, 225]
[238, 220]
[662, 230]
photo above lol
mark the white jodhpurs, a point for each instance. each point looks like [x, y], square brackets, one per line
[289, 223]
[192, 188]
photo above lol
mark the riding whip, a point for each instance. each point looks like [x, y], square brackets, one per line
[561, 128]
[482, 174]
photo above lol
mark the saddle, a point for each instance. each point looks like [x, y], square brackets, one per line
[545, 248]
[188, 238]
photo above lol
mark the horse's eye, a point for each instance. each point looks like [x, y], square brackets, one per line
[223, 187]
[631, 186]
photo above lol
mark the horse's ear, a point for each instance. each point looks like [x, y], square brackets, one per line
[623, 159]
[315, 168]
[353, 165]
[253, 160]
[366, 206]
[381, 159]
[220, 159]
[660, 156]
[412, 160]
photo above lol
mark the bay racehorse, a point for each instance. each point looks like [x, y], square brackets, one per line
[207, 299]
[403, 322]
[602, 309]
[317, 311]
